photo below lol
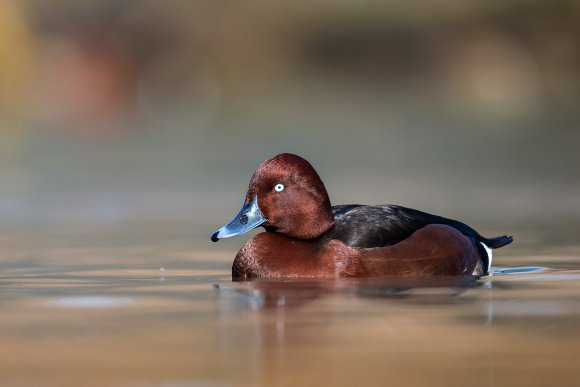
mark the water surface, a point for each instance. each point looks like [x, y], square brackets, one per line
[127, 309]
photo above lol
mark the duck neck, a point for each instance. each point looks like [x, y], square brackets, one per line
[312, 222]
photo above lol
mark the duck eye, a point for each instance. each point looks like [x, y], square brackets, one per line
[279, 187]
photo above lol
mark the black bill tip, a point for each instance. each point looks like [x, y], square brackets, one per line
[214, 237]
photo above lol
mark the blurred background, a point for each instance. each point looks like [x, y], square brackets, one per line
[126, 115]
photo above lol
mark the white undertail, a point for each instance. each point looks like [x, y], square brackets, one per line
[489, 256]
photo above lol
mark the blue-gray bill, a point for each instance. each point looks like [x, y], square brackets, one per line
[247, 219]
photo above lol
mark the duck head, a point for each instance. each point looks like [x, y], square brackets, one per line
[285, 195]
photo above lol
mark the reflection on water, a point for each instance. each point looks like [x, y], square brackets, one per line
[174, 318]
[292, 293]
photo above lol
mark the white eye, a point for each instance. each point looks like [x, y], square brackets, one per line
[279, 187]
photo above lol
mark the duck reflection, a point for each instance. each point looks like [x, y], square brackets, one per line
[267, 320]
[275, 294]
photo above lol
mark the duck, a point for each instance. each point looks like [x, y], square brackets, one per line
[307, 238]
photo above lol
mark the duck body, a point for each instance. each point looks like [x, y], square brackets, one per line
[307, 238]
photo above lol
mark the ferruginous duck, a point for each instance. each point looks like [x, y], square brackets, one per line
[306, 237]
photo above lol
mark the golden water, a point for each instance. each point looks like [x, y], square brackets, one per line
[132, 308]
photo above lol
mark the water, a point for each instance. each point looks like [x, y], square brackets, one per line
[142, 308]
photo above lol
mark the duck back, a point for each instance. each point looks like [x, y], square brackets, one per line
[385, 225]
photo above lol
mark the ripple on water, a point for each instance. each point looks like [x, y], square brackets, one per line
[516, 270]
[90, 302]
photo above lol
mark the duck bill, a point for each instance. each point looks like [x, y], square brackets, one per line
[247, 219]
